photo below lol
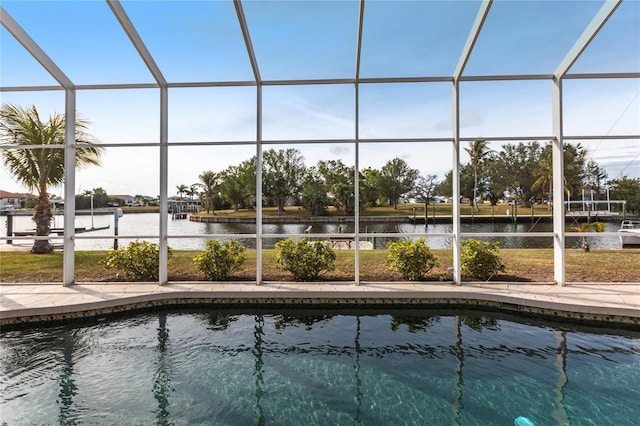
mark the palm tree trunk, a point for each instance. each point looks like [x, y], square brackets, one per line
[42, 217]
[475, 188]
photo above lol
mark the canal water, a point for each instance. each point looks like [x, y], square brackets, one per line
[147, 224]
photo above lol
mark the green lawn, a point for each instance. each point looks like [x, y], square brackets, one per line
[621, 265]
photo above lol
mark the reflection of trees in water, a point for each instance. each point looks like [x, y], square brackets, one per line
[458, 379]
[479, 323]
[258, 333]
[413, 323]
[68, 388]
[283, 321]
[358, 380]
[220, 321]
[162, 383]
[560, 414]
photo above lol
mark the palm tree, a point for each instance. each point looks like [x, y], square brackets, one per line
[40, 168]
[209, 181]
[544, 171]
[478, 151]
[182, 189]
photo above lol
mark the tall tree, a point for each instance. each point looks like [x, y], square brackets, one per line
[425, 187]
[518, 163]
[233, 186]
[340, 183]
[494, 183]
[574, 157]
[314, 193]
[41, 168]
[209, 182]
[283, 174]
[396, 179]
[595, 177]
[466, 182]
[627, 189]
[369, 187]
[478, 151]
[544, 174]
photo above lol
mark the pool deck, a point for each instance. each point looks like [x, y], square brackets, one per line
[590, 302]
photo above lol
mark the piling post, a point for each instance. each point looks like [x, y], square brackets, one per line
[9, 226]
[117, 213]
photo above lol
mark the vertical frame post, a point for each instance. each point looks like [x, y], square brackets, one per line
[356, 184]
[259, 184]
[455, 177]
[558, 184]
[163, 273]
[68, 256]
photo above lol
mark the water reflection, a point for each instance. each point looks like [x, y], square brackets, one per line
[259, 367]
[68, 388]
[162, 387]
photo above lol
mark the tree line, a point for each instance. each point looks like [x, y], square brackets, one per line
[519, 172]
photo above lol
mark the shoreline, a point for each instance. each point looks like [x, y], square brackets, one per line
[414, 219]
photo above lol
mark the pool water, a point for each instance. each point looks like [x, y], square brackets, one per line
[216, 367]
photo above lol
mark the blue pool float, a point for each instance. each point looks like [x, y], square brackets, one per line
[523, 421]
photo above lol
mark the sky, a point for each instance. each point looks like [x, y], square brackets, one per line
[202, 41]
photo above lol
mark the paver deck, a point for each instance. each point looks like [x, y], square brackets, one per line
[615, 303]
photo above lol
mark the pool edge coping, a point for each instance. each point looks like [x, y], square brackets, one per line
[506, 299]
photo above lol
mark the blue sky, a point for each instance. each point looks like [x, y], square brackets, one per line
[202, 41]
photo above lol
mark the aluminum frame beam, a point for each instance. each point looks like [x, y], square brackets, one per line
[483, 11]
[32, 47]
[135, 38]
[589, 33]
[256, 73]
[247, 40]
[367, 80]
[356, 168]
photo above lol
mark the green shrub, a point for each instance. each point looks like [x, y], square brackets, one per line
[139, 261]
[480, 259]
[218, 261]
[306, 260]
[412, 259]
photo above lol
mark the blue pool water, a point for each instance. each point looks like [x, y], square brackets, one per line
[213, 367]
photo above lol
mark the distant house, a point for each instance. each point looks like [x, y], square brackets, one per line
[126, 199]
[9, 200]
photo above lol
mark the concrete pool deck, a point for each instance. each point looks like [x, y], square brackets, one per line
[617, 303]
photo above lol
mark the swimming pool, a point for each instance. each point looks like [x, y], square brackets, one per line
[318, 367]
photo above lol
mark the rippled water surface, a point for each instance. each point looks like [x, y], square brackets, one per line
[211, 367]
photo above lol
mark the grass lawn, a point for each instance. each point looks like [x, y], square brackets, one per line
[622, 265]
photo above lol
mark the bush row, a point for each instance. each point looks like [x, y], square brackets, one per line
[306, 260]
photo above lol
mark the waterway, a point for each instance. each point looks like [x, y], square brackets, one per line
[147, 224]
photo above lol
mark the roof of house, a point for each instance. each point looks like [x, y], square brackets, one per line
[7, 194]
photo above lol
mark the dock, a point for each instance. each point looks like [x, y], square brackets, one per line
[348, 244]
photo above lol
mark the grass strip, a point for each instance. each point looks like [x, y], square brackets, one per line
[523, 265]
